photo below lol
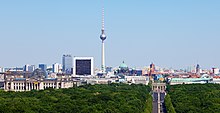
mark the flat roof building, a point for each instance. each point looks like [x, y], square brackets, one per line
[83, 66]
[67, 62]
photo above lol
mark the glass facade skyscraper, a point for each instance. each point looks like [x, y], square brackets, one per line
[67, 62]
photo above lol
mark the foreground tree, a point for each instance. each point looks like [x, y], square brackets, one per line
[112, 98]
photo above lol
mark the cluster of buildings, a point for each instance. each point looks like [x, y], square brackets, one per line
[76, 71]
[195, 76]
[68, 62]
[57, 76]
[73, 71]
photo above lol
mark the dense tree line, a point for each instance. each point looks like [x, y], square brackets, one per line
[112, 98]
[195, 98]
[169, 105]
[149, 104]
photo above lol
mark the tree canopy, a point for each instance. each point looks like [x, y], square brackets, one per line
[112, 98]
[195, 98]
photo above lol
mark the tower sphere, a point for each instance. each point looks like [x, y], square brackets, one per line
[102, 37]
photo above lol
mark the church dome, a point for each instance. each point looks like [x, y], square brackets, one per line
[123, 66]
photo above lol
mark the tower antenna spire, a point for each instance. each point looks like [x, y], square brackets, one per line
[103, 18]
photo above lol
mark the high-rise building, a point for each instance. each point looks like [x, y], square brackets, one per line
[67, 61]
[152, 67]
[60, 68]
[26, 67]
[197, 69]
[103, 37]
[83, 66]
[56, 68]
[29, 68]
[1, 69]
[152, 71]
[43, 67]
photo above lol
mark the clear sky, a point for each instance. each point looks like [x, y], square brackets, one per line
[170, 33]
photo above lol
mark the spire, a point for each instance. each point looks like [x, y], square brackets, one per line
[103, 19]
[103, 36]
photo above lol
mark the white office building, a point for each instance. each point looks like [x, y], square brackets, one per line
[1, 69]
[57, 68]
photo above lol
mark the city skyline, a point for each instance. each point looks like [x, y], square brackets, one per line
[174, 34]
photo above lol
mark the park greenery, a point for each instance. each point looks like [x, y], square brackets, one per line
[193, 98]
[169, 105]
[112, 98]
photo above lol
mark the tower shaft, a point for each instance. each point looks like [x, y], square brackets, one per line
[103, 57]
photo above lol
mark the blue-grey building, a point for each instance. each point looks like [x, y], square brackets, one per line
[67, 62]
[43, 67]
[29, 68]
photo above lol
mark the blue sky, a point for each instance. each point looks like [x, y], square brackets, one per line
[171, 33]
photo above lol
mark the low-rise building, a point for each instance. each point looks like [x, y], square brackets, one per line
[37, 81]
[137, 79]
[175, 81]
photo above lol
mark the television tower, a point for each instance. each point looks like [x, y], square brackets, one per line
[103, 37]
